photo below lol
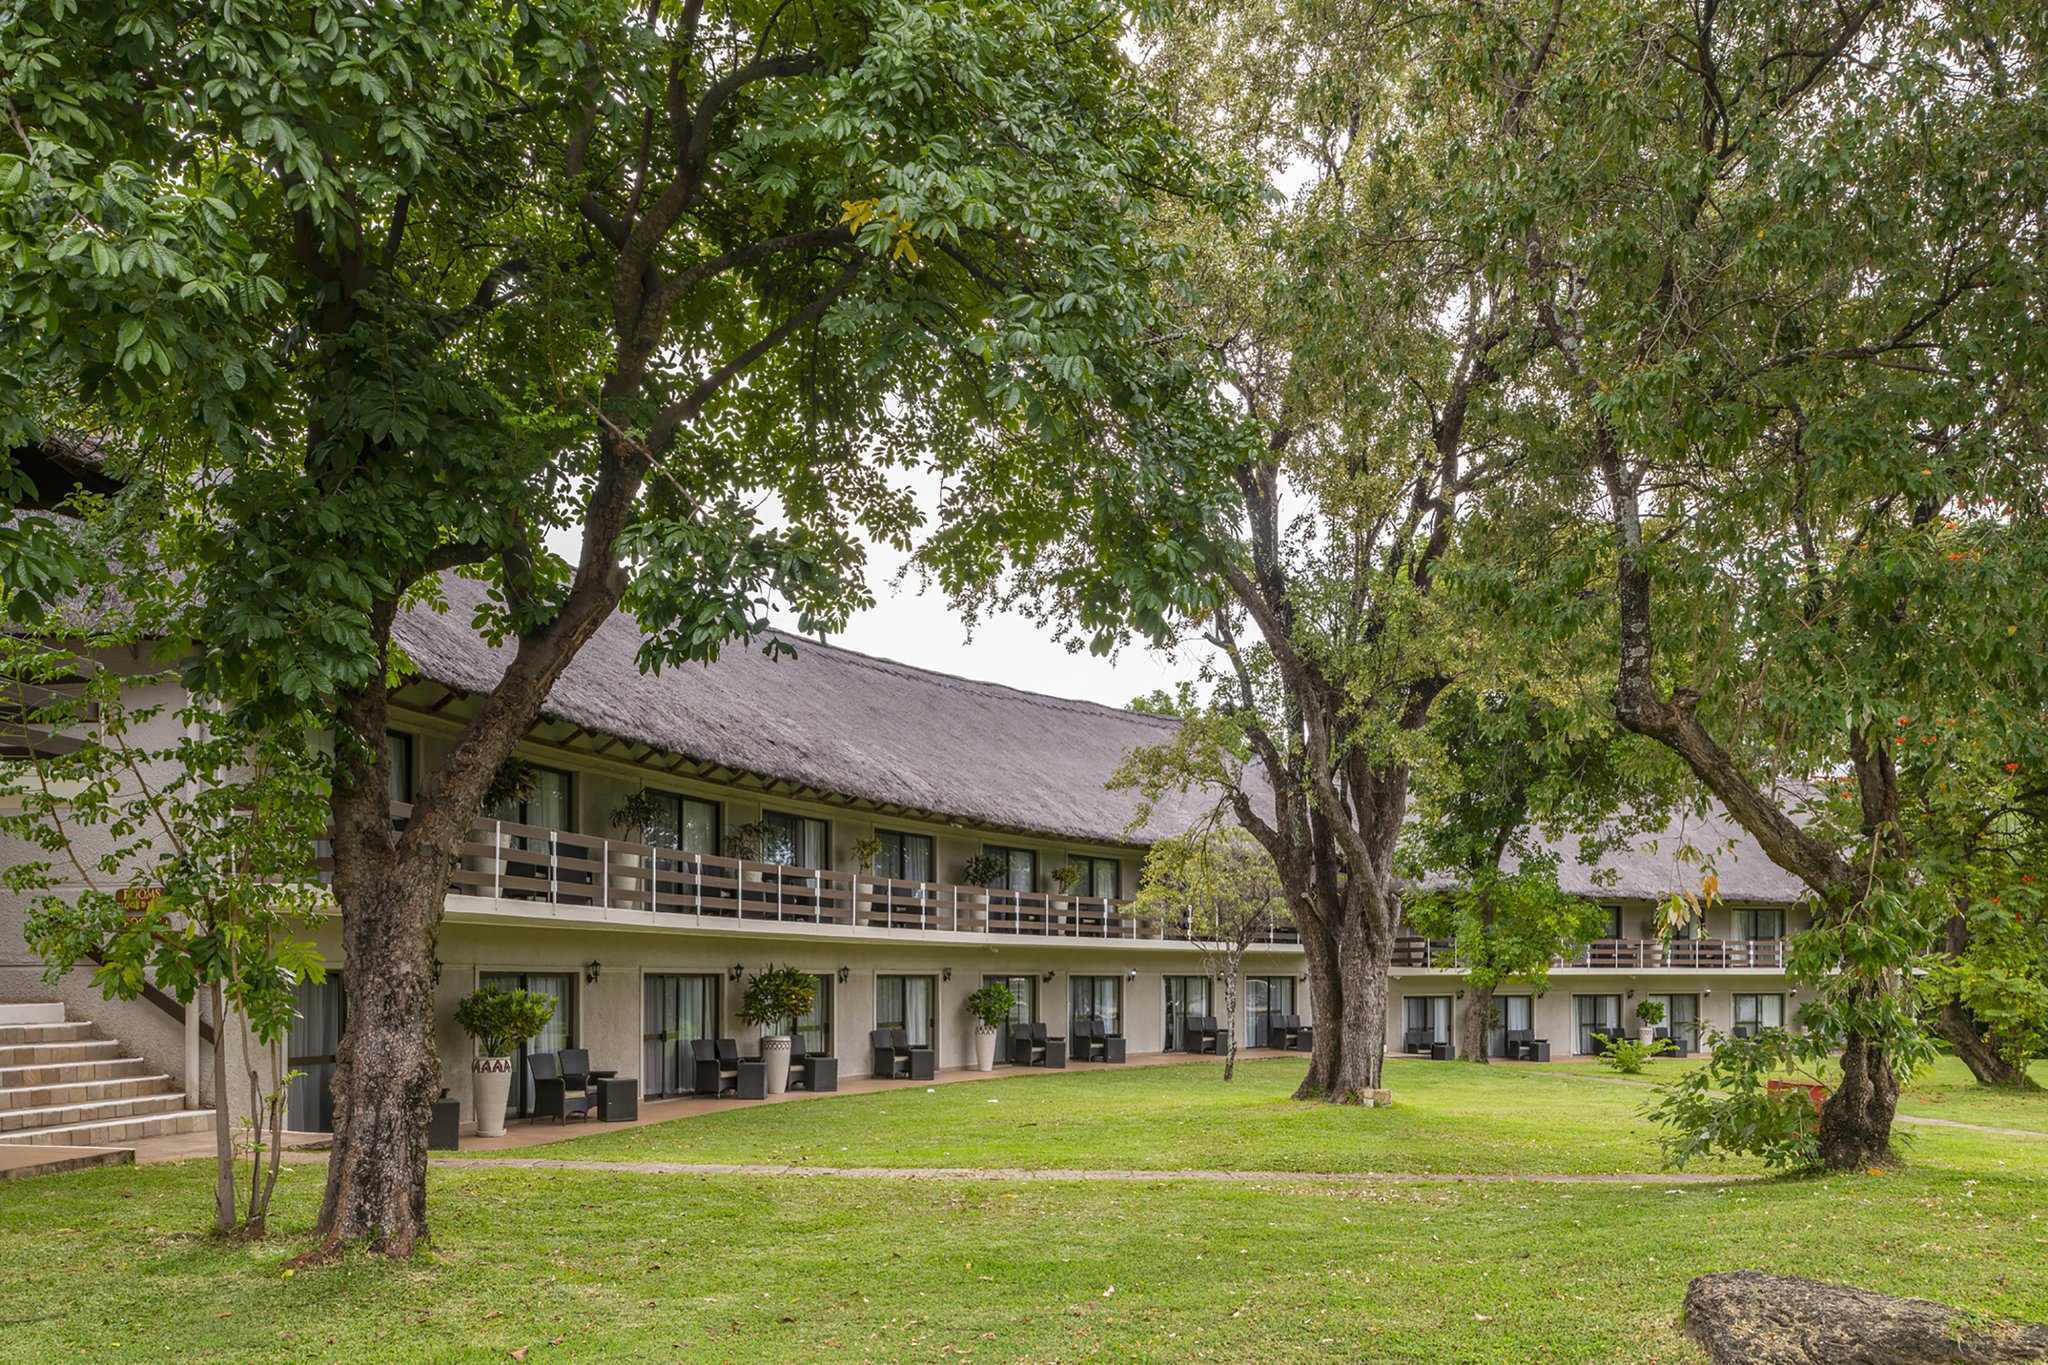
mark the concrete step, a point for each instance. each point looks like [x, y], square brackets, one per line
[115, 1132]
[46, 1054]
[72, 1031]
[65, 1073]
[22, 1121]
[32, 1014]
[81, 1092]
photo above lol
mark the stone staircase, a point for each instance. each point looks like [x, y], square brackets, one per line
[61, 1085]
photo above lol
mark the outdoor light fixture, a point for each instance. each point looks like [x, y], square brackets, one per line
[844, 972]
[590, 972]
[437, 971]
[1461, 995]
[1631, 994]
[736, 971]
[1131, 975]
[1050, 975]
[946, 975]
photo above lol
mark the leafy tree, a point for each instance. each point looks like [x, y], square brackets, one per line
[181, 845]
[1217, 888]
[387, 296]
[1778, 262]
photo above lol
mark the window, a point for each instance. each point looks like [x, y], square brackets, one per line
[1755, 1013]
[1597, 1017]
[1681, 1017]
[679, 1010]
[558, 1034]
[1187, 997]
[1428, 1014]
[683, 823]
[1511, 1014]
[549, 806]
[398, 748]
[1025, 989]
[315, 1038]
[1022, 868]
[1754, 923]
[906, 857]
[795, 840]
[1097, 997]
[1264, 997]
[1099, 876]
[1613, 913]
[814, 1026]
[908, 1003]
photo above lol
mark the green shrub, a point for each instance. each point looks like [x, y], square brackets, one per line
[1627, 1055]
[992, 1003]
[776, 996]
[501, 1021]
[1727, 1108]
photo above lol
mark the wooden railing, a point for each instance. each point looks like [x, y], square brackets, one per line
[1625, 954]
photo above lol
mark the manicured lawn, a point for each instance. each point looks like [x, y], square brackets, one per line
[606, 1266]
[1943, 1090]
[1446, 1118]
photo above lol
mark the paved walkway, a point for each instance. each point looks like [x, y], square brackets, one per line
[1026, 1173]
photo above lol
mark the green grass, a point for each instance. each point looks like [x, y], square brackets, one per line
[1445, 1118]
[609, 1265]
[1945, 1090]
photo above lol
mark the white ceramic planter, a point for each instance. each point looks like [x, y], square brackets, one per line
[775, 1054]
[984, 1047]
[1646, 1035]
[493, 1077]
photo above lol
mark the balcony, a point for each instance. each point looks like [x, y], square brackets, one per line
[1626, 954]
[501, 860]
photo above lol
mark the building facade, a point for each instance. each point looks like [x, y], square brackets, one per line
[678, 831]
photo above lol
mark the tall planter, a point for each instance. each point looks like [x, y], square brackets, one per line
[984, 1048]
[775, 1056]
[493, 1077]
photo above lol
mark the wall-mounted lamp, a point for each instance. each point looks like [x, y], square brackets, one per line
[1631, 995]
[590, 970]
[844, 972]
[1050, 975]
[1303, 978]
[1461, 995]
[946, 975]
[437, 971]
[1708, 991]
[1131, 975]
[736, 971]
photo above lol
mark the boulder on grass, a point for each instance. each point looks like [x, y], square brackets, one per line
[1745, 1317]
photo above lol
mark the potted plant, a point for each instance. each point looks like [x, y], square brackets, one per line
[1649, 1014]
[991, 1006]
[1066, 877]
[986, 869]
[865, 851]
[774, 997]
[499, 1023]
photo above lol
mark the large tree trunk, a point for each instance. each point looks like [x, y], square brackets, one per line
[1856, 1120]
[387, 1072]
[1348, 969]
[1478, 1021]
[1956, 1026]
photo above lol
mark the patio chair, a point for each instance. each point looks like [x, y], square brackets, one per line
[1284, 1032]
[892, 1054]
[1091, 1041]
[553, 1097]
[576, 1069]
[1519, 1039]
[715, 1074]
[1417, 1040]
[1201, 1034]
[1055, 1048]
[1024, 1049]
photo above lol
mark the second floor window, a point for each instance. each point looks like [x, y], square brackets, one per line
[795, 840]
[547, 806]
[1753, 924]
[683, 823]
[1021, 868]
[907, 857]
[1099, 876]
[399, 747]
[1613, 913]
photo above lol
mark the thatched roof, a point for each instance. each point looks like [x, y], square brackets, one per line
[1677, 860]
[837, 721]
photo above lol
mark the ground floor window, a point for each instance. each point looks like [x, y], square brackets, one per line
[1755, 1013]
[1681, 1017]
[316, 1037]
[1187, 997]
[1098, 998]
[1265, 997]
[679, 1010]
[1596, 1017]
[814, 1029]
[1025, 990]
[560, 1032]
[1511, 1014]
[911, 1004]
[1429, 1015]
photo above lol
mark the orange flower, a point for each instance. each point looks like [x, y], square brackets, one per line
[2012, 767]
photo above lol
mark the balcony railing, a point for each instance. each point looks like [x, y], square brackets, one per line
[1626, 954]
[506, 861]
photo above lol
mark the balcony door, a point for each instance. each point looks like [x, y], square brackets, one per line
[814, 1028]
[1515, 1014]
[679, 1010]
[559, 1033]
[1596, 1017]
[1097, 998]
[1187, 997]
[1025, 989]
[1265, 997]
[1681, 1017]
[1429, 1013]
[911, 1004]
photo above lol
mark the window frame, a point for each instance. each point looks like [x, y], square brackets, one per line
[896, 870]
[1092, 864]
[824, 862]
[1010, 854]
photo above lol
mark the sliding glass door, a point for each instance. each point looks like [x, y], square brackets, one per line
[1597, 1017]
[1429, 1013]
[679, 1010]
[909, 1003]
[1511, 1014]
[1265, 997]
[315, 1037]
[1187, 997]
[558, 1034]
